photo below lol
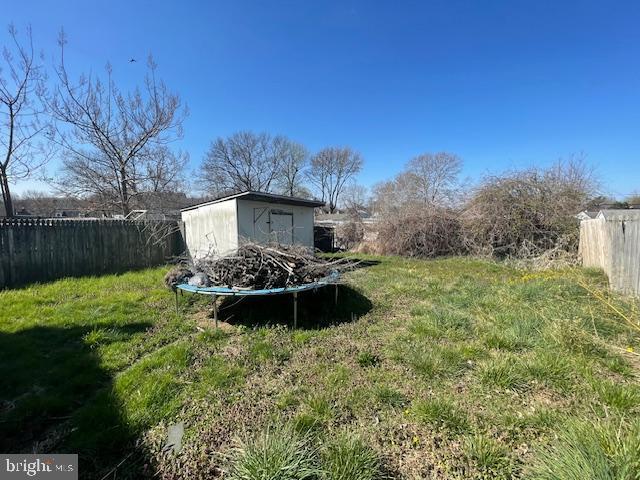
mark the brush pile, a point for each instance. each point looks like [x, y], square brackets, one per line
[257, 267]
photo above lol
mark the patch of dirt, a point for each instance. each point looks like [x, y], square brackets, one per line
[204, 320]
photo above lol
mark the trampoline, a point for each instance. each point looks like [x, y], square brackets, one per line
[216, 292]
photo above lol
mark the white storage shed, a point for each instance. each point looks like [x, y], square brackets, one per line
[219, 226]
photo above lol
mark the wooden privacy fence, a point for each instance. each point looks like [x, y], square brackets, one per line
[35, 250]
[611, 241]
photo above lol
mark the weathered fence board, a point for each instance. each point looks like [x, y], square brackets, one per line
[35, 250]
[612, 242]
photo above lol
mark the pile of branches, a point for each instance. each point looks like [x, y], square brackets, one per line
[256, 267]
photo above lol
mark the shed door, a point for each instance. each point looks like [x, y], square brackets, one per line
[281, 227]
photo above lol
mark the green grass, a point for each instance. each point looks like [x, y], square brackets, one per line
[275, 454]
[597, 450]
[368, 359]
[452, 368]
[489, 457]
[441, 412]
[346, 457]
[281, 452]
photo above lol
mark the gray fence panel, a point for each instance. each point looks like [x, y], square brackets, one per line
[36, 250]
[614, 246]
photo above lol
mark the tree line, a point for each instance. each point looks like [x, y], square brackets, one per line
[116, 147]
[116, 151]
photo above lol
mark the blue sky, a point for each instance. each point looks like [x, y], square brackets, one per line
[502, 84]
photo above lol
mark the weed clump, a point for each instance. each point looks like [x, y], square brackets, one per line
[278, 453]
[599, 450]
[368, 359]
[441, 412]
[488, 456]
[347, 457]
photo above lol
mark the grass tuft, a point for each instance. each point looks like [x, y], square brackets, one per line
[596, 450]
[278, 453]
[504, 373]
[441, 412]
[368, 359]
[388, 396]
[437, 360]
[623, 397]
[347, 457]
[488, 456]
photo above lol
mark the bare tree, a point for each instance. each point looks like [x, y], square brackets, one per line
[434, 176]
[331, 169]
[355, 198]
[294, 161]
[242, 161]
[115, 144]
[415, 208]
[22, 149]
[427, 180]
[254, 161]
[633, 200]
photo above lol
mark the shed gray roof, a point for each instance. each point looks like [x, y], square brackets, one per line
[262, 197]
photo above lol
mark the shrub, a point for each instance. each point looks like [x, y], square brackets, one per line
[349, 234]
[528, 212]
[420, 231]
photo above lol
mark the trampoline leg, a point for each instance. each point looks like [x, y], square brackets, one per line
[177, 309]
[215, 310]
[335, 300]
[295, 310]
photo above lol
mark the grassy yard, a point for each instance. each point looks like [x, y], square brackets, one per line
[454, 368]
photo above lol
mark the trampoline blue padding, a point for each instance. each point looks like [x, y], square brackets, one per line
[226, 291]
[215, 292]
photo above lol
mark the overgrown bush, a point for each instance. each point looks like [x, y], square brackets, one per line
[522, 214]
[525, 213]
[349, 234]
[421, 231]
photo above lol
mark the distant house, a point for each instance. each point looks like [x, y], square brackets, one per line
[586, 215]
[23, 212]
[218, 227]
[67, 213]
[335, 219]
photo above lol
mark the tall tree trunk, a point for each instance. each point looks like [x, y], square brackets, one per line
[124, 192]
[4, 177]
[6, 194]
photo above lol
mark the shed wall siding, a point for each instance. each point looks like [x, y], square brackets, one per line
[211, 229]
[253, 221]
